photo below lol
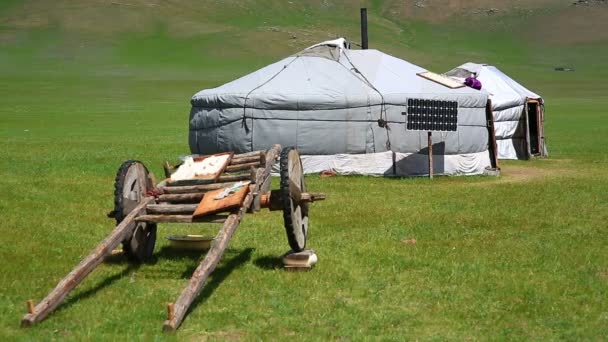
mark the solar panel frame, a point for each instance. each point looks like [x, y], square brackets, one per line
[431, 115]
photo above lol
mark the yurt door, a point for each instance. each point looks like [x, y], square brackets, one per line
[534, 127]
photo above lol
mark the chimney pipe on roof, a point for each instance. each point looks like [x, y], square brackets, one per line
[364, 28]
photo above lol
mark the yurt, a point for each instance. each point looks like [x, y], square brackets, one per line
[345, 110]
[518, 112]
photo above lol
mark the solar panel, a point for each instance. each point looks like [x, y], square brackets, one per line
[432, 115]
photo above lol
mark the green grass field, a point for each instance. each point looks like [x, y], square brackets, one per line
[84, 86]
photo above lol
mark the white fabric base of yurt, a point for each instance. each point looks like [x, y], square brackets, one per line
[406, 164]
[513, 148]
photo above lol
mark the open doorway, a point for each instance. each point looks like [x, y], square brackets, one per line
[534, 127]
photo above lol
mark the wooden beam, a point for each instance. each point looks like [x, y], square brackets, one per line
[249, 154]
[181, 218]
[240, 167]
[245, 160]
[55, 297]
[235, 156]
[527, 131]
[222, 179]
[235, 178]
[541, 121]
[184, 189]
[257, 197]
[312, 196]
[171, 208]
[214, 255]
[492, 136]
[182, 198]
[273, 200]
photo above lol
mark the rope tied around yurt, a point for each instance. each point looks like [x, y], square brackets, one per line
[382, 121]
[258, 87]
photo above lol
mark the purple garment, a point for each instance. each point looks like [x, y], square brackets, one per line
[472, 83]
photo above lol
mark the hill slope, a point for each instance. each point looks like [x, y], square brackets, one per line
[243, 35]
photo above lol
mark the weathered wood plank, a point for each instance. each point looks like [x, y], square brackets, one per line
[55, 297]
[264, 187]
[492, 136]
[223, 179]
[235, 178]
[171, 208]
[235, 156]
[184, 189]
[181, 218]
[245, 160]
[240, 167]
[312, 196]
[249, 154]
[181, 198]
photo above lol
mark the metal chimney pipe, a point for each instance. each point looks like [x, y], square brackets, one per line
[364, 28]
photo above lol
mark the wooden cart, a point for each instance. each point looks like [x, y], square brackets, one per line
[140, 206]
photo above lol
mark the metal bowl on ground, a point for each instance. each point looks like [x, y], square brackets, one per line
[190, 242]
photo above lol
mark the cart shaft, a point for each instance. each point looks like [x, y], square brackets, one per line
[86, 266]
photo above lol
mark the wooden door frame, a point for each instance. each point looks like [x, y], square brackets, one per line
[491, 136]
[539, 128]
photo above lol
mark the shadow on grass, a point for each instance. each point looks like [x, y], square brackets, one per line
[122, 259]
[116, 259]
[172, 254]
[220, 274]
[216, 278]
[166, 253]
[268, 262]
[92, 291]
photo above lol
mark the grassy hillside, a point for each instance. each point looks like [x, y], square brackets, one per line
[85, 85]
[211, 35]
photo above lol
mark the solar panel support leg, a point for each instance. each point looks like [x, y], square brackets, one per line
[430, 146]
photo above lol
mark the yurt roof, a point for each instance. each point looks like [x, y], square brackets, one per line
[328, 75]
[504, 91]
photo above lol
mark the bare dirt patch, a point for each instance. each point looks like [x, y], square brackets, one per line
[526, 172]
[543, 169]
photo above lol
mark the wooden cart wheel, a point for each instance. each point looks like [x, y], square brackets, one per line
[130, 187]
[295, 213]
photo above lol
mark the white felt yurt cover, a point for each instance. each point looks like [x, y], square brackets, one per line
[327, 101]
[508, 104]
